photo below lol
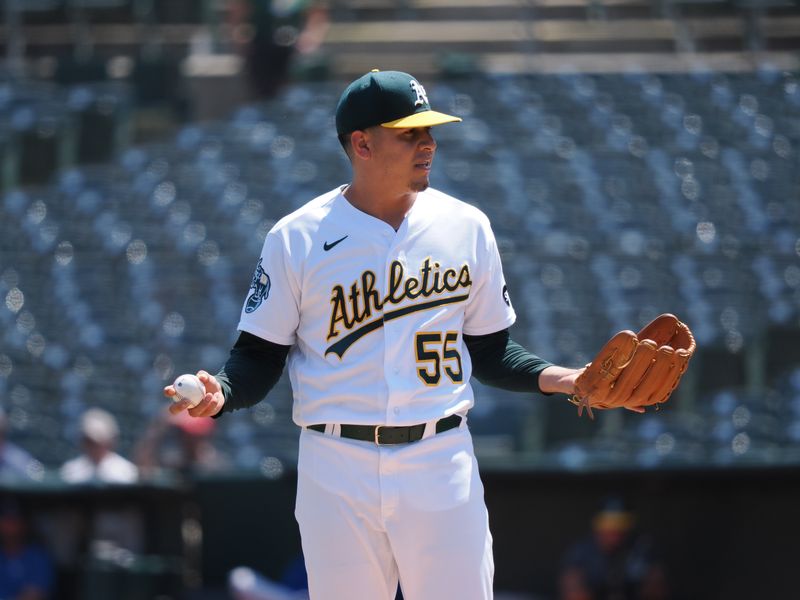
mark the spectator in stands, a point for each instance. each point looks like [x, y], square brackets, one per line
[270, 33]
[246, 584]
[117, 527]
[614, 563]
[99, 461]
[26, 569]
[180, 445]
[16, 463]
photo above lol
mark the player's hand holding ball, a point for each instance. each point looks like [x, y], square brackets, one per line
[200, 395]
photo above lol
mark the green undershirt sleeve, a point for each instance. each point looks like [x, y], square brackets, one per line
[500, 362]
[251, 371]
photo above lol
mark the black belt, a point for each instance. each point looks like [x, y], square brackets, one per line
[387, 434]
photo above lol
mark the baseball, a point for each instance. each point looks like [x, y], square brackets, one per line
[189, 387]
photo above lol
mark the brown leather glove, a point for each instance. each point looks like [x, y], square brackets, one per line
[635, 370]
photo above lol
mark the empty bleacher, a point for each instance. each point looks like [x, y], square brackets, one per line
[613, 196]
[462, 36]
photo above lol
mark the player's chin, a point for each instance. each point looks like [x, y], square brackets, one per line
[420, 184]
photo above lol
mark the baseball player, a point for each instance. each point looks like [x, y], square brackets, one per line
[386, 296]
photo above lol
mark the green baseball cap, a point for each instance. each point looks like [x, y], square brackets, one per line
[388, 98]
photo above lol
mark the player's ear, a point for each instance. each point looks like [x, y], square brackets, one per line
[361, 144]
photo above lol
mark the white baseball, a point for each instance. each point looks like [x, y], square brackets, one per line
[188, 387]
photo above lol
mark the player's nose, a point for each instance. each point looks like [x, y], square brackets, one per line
[427, 141]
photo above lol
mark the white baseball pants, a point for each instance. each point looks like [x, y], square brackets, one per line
[371, 515]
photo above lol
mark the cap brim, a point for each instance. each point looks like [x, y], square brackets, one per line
[427, 118]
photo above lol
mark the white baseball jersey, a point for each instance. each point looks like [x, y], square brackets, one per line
[376, 316]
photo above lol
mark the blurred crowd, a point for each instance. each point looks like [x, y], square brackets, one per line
[40, 552]
[36, 546]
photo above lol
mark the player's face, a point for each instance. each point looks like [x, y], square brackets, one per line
[403, 157]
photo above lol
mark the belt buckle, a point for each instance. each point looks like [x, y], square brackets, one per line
[378, 434]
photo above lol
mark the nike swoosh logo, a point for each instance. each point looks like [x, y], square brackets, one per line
[326, 246]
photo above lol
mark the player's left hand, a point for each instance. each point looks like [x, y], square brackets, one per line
[636, 370]
[210, 405]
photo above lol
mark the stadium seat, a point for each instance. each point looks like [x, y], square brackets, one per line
[613, 198]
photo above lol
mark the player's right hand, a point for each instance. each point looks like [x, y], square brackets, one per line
[209, 406]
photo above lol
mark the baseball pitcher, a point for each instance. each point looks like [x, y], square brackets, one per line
[386, 297]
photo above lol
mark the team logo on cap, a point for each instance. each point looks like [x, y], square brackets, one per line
[260, 286]
[422, 97]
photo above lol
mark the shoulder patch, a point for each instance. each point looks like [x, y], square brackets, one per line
[506, 298]
[259, 285]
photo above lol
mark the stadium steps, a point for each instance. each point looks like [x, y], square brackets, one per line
[434, 36]
[520, 45]
[371, 10]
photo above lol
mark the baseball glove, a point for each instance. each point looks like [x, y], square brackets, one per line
[635, 370]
